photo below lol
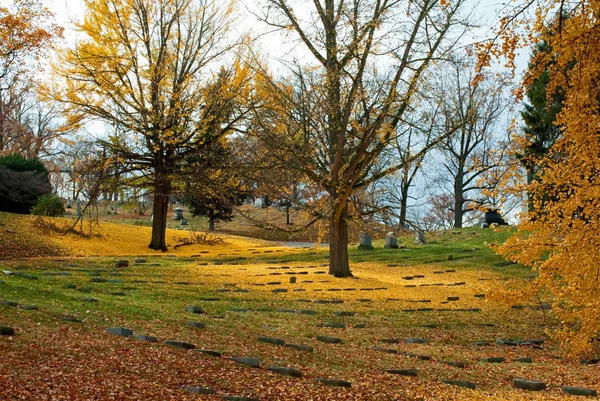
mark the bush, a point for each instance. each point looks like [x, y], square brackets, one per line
[22, 182]
[49, 205]
[16, 162]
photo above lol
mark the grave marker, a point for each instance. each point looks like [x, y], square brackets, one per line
[366, 242]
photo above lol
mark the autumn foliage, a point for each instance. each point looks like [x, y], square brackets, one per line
[561, 235]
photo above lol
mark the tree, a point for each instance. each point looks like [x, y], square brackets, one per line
[272, 179]
[421, 136]
[561, 239]
[338, 112]
[215, 184]
[539, 117]
[26, 33]
[22, 182]
[475, 107]
[439, 216]
[147, 69]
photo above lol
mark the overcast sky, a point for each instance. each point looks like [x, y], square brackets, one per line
[69, 11]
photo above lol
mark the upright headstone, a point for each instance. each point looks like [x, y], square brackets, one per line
[419, 237]
[260, 202]
[183, 222]
[391, 240]
[366, 241]
[178, 214]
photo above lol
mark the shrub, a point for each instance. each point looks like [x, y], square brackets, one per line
[49, 205]
[22, 183]
[16, 162]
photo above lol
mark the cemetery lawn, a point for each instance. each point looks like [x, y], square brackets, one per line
[387, 317]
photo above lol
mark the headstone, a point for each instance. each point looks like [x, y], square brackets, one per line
[366, 241]
[299, 347]
[271, 340]
[530, 385]
[122, 263]
[179, 344]
[455, 364]
[419, 237]
[183, 222]
[7, 331]
[416, 340]
[579, 391]
[403, 372]
[28, 307]
[142, 337]
[178, 215]
[71, 319]
[197, 325]
[391, 240]
[194, 309]
[329, 340]
[252, 362]
[120, 331]
[216, 354]
[286, 371]
[260, 202]
[337, 383]
[493, 359]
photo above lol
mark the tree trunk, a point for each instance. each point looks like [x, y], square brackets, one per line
[403, 206]
[160, 211]
[530, 177]
[458, 199]
[338, 245]
[211, 220]
[287, 213]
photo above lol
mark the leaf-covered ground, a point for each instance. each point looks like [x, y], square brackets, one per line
[50, 358]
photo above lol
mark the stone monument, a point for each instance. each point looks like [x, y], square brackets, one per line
[391, 240]
[178, 214]
[366, 241]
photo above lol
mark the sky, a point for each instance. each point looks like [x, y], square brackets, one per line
[68, 12]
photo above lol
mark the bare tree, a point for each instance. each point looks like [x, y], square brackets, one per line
[475, 148]
[339, 111]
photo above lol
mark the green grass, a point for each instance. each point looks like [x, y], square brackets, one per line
[156, 307]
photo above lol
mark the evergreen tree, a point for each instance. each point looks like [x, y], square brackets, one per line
[539, 116]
